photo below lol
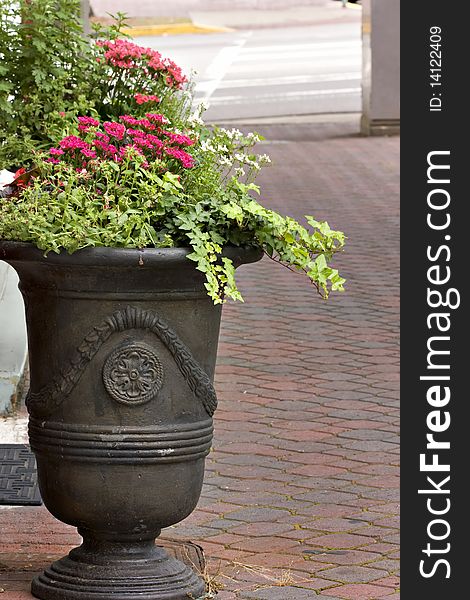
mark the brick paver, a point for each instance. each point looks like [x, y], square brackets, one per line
[301, 491]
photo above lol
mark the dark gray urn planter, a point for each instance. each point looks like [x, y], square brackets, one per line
[122, 349]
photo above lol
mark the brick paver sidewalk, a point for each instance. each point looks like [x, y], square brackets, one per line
[301, 492]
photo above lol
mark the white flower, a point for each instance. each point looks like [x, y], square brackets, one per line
[195, 119]
[202, 107]
[252, 163]
[222, 148]
[240, 157]
[223, 160]
[207, 146]
[253, 137]
[264, 159]
[233, 133]
[239, 172]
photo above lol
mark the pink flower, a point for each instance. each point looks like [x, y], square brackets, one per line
[185, 159]
[143, 142]
[62, 114]
[157, 143]
[156, 117]
[122, 53]
[175, 76]
[143, 99]
[54, 161]
[155, 62]
[176, 138]
[56, 151]
[72, 142]
[106, 147]
[102, 136]
[111, 151]
[130, 120]
[88, 153]
[116, 130]
[88, 121]
[136, 133]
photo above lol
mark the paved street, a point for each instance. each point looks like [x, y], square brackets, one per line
[273, 71]
[300, 500]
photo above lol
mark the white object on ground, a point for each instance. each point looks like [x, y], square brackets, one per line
[6, 177]
[14, 430]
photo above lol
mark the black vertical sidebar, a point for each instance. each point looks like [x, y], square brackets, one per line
[435, 317]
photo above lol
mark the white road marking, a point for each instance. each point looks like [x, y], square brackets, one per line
[220, 100]
[287, 55]
[215, 72]
[280, 80]
[307, 46]
[238, 68]
[335, 64]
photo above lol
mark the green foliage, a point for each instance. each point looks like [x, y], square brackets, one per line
[180, 184]
[50, 73]
[45, 63]
[133, 202]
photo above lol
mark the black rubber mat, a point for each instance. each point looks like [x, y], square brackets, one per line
[18, 477]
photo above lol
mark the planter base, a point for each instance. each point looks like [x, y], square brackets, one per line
[112, 571]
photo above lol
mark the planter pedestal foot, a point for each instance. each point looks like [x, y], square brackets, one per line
[109, 570]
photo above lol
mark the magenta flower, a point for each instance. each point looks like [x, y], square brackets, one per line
[116, 130]
[156, 142]
[118, 142]
[130, 120]
[72, 142]
[88, 153]
[103, 137]
[88, 121]
[156, 117]
[176, 138]
[184, 158]
[136, 132]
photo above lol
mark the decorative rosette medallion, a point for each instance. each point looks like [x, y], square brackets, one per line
[133, 374]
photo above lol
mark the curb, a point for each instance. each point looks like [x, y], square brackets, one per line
[174, 29]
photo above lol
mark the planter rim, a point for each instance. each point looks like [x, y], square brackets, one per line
[105, 256]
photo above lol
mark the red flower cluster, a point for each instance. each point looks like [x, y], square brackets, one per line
[20, 179]
[124, 54]
[145, 137]
[143, 99]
